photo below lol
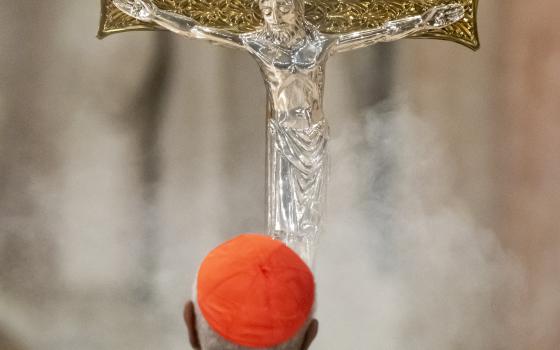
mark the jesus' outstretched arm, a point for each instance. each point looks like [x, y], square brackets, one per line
[147, 11]
[437, 17]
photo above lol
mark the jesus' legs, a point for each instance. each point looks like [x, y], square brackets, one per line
[297, 178]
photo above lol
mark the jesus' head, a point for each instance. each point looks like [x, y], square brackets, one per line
[284, 20]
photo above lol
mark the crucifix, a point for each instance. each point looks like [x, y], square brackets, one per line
[291, 41]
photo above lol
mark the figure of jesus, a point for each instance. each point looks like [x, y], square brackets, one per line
[292, 54]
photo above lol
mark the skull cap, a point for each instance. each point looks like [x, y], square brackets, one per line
[255, 291]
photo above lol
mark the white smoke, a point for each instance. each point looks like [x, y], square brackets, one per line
[403, 264]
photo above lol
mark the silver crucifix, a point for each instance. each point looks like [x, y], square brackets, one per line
[292, 54]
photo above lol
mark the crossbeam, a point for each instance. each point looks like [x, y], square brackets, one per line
[330, 16]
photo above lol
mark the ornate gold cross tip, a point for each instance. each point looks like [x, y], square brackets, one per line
[330, 16]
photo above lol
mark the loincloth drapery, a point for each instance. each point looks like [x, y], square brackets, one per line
[299, 171]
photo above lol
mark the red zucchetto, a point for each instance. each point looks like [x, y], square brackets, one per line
[255, 291]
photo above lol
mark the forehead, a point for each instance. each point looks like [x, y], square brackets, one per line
[277, 2]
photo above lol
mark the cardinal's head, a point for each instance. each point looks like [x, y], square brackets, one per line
[252, 292]
[284, 20]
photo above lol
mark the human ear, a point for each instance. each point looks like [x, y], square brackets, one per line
[190, 321]
[310, 334]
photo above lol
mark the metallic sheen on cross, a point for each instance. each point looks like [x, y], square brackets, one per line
[292, 53]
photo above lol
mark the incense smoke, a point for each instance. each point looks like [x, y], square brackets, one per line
[402, 256]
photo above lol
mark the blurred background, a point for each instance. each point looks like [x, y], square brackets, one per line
[124, 161]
